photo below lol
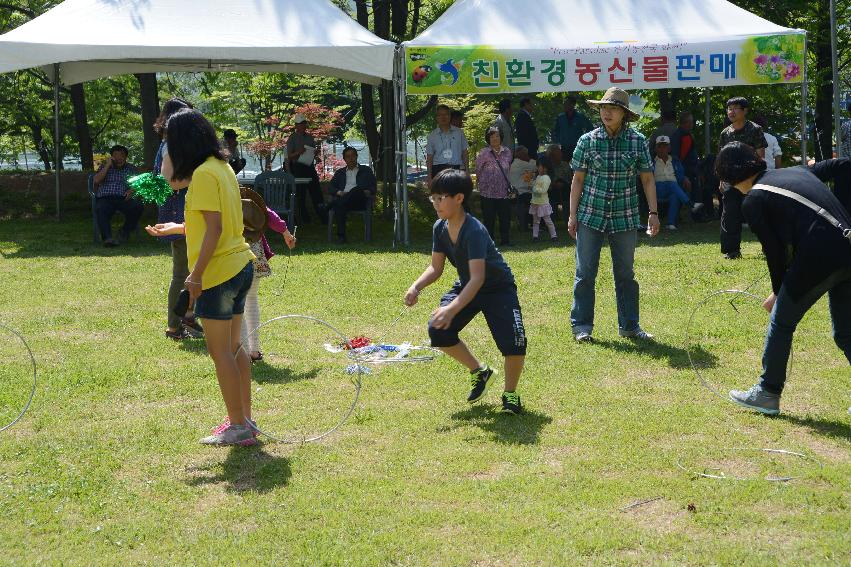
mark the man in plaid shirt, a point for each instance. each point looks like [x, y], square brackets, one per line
[113, 195]
[604, 204]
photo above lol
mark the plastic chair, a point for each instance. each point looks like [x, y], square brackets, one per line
[278, 190]
[367, 219]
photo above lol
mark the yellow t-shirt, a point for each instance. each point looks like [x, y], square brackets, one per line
[214, 188]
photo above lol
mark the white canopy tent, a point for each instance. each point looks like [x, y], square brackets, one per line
[504, 46]
[83, 40]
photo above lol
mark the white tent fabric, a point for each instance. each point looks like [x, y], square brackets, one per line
[556, 45]
[99, 38]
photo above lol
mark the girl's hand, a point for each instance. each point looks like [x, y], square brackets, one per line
[193, 286]
[165, 229]
[412, 296]
[289, 240]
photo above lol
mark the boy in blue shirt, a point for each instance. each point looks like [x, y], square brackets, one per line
[485, 284]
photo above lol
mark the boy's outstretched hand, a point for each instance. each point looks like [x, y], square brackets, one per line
[411, 296]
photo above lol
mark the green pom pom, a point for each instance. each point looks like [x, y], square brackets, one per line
[150, 188]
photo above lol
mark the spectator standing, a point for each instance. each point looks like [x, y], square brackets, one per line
[504, 122]
[773, 153]
[561, 176]
[184, 327]
[521, 174]
[684, 149]
[112, 194]
[667, 128]
[492, 166]
[236, 161]
[524, 127]
[446, 145]
[604, 204]
[456, 118]
[300, 143]
[740, 130]
[568, 128]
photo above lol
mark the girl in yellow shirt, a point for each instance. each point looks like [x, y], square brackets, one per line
[220, 261]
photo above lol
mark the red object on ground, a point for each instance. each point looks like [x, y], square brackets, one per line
[357, 342]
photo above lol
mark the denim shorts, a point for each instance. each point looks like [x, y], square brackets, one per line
[226, 299]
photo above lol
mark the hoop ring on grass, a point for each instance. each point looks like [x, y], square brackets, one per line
[736, 293]
[35, 378]
[720, 475]
[355, 371]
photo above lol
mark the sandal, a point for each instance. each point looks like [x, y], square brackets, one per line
[177, 335]
[193, 328]
[257, 358]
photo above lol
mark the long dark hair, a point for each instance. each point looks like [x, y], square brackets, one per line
[191, 140]
[171, 106]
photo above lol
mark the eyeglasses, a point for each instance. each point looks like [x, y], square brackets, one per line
[437, 199]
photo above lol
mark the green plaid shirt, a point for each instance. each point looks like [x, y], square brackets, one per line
[609, 201]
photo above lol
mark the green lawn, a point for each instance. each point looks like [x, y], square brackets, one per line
[106, 468]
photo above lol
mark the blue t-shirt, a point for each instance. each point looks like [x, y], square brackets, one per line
[474, 243]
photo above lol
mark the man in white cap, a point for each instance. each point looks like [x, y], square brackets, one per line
[671, 181]
[298, 143]
[604, 206]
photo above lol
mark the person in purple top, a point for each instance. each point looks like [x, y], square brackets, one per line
[493, 165]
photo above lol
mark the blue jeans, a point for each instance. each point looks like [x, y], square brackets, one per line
[227, 299]
[676, 197]
[786, 315]
[589, 242]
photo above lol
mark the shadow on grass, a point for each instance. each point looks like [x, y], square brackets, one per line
[826, 427]
[246, 469]
[675, 356]
[265, 373]
[523, 429]
[195, 346]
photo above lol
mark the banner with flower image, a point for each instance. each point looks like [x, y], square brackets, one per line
[774, 59]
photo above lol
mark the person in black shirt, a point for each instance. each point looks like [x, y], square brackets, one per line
[807, 258]
[838, 171]
[485, 284]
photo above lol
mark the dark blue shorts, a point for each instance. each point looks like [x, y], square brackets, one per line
[501, 309]
[226, 299]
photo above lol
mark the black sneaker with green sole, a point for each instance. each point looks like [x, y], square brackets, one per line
[479, 381]
[511, 403]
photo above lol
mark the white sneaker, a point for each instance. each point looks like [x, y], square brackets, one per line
[232, 435]
[696, 207]
[671, 227]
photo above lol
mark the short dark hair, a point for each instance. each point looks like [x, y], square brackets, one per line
[504, 105]
[457, 114]
[229, 134]
[490, 132]
[119, 148]
[191, 140]
[685, 115]
[452, 182]
[547, 163]
[669, 115]
[571, 99]
[349, 149]
[738, 100]
[524, 100]
[171, 106]
[736, 162]
[445, 107]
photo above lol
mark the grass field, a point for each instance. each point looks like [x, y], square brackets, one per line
[106, 468]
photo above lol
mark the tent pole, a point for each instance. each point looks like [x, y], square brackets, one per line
[57, 150]
[707, 116]
[403, 148]
[804, 108]
[837, 87]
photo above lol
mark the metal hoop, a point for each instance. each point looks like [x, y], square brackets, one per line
[356, 380]
[35, 378]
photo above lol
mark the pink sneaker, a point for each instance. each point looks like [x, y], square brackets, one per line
[226, 423]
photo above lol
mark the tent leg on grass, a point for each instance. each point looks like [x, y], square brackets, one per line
[57, 141]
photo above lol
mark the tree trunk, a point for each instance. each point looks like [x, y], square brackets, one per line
[41, 147]
[81, 121]
[150, 110]
[823, 84]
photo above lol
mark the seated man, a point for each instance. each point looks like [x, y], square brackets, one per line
[521, 173]
[670, 181]
[113, 194]
[350, 188]
[562, 177]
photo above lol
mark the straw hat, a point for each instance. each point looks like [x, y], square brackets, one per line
[254, 217]
[616, 97]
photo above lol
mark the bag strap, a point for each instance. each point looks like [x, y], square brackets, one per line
[846, 232]
[499, 167]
